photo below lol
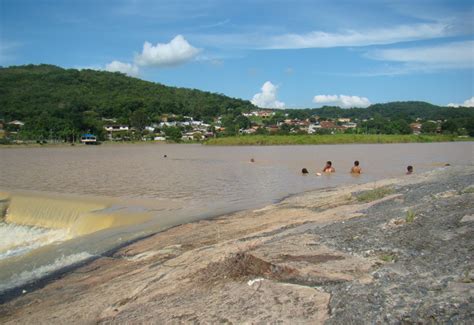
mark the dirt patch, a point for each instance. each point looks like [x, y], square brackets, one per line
[241, 266]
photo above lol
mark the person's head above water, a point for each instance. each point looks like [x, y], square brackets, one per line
[356, 163]
[328, 168]
[410, 169]
[304, 171]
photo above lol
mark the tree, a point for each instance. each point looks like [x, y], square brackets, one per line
[429, 127]
[139, 120]
[242, 122]
[400, 126]
[449, 126]
[173, 133]
[284, 129]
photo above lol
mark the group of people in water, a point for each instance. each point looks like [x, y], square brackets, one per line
[355, 170]
[328, 168]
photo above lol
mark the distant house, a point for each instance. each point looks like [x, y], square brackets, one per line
[167, 124]
[248, 131]
[328, 125]
[349, 125]
[116, 128]
[150, 128]
[109, 120]
[16, 123]
[313, 128]
[415, 128]
[344, 120]
[264, 114]
[111, 129]
[272, 128]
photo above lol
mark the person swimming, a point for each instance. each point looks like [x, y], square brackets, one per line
[304, 171]
[328, 168]
[356, 169]
[409, 170]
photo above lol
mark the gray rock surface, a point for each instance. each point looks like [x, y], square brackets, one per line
[429, 274]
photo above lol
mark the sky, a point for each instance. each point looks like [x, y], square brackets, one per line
[278, 54]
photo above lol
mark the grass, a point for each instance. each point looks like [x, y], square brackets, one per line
[468, 190]
[410, 217]
[245, 140]
[466, 278]
[374, 194]
[389, 258]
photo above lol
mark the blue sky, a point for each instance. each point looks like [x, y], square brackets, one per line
[275, 53]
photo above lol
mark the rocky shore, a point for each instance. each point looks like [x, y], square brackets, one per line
[399, 251]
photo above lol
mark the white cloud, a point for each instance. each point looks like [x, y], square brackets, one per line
[267, 98]
[342, 100]
[127, 68]
[467, 103]
[320, 39]
[451, 55]
[269, 39]
[176, 52]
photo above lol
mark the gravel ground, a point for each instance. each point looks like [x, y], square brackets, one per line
[426, 271]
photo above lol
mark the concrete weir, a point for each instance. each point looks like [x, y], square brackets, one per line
[78, 216]
[347, 255]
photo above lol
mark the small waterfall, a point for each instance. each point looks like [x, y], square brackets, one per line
[51, 212]
[75, 216]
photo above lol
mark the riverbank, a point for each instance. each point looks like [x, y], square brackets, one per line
[270, 140]
[351, 254]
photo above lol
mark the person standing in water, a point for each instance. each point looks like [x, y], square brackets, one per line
[356, 169]
[328, 168]
[409, 170]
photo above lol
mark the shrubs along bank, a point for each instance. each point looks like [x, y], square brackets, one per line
[330, 139]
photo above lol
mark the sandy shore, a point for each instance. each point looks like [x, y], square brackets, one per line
[353, 254]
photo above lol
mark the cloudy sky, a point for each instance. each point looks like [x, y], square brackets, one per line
[277, 53]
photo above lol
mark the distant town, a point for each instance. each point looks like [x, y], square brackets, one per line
[179, 128]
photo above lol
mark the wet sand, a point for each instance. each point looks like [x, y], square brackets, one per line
[292, 262]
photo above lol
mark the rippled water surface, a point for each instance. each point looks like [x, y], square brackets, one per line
[204, 176]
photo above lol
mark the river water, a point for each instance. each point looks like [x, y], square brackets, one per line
[67, 204]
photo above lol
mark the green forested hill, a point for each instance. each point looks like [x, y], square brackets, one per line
[46, 94]
[408, 111]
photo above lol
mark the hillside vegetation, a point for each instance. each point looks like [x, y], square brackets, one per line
[48, 97]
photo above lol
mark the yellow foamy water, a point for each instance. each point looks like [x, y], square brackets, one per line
[76, 216]
[47, 212]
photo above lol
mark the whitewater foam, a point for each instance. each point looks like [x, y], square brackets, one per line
[29, 276]
[19, 239]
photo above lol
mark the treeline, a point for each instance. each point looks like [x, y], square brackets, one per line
[408, 111]
[50, 99]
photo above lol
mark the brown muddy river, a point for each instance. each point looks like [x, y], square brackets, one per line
[70, 203]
